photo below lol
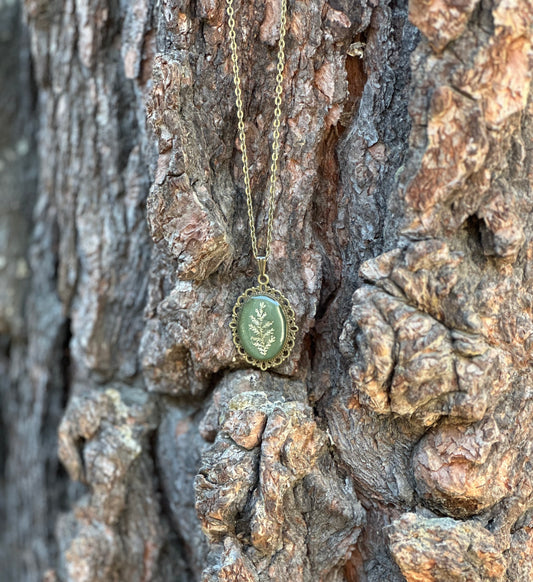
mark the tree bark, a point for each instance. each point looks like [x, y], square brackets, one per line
[395, 443]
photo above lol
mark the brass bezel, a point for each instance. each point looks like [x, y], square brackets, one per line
[288, 312]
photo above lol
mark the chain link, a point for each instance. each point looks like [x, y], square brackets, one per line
[276, 125]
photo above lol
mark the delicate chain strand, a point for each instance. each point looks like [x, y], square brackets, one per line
[240, 125]
[277, 117]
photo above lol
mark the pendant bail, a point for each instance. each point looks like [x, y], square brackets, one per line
[262, 277]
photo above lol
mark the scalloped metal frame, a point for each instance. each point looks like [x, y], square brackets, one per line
[288, 312]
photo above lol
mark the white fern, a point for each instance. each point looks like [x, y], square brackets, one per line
[263, 334]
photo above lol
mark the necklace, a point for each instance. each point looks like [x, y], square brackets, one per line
[263, 322]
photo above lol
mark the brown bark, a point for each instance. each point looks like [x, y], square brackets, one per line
[395, 443]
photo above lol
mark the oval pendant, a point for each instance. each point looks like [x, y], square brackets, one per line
[263, 326]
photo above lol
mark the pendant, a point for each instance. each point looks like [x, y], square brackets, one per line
[263, 325]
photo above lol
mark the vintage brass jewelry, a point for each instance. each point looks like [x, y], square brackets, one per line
[263, 322]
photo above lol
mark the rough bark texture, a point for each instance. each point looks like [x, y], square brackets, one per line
[395, 443]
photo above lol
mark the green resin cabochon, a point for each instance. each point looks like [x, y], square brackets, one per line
[262, 327]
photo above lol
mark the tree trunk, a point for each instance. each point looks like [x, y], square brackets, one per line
[395, 443]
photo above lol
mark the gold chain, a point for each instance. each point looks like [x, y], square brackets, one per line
[275, 135]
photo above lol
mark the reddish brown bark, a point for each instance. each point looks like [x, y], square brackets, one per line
[395, 443]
